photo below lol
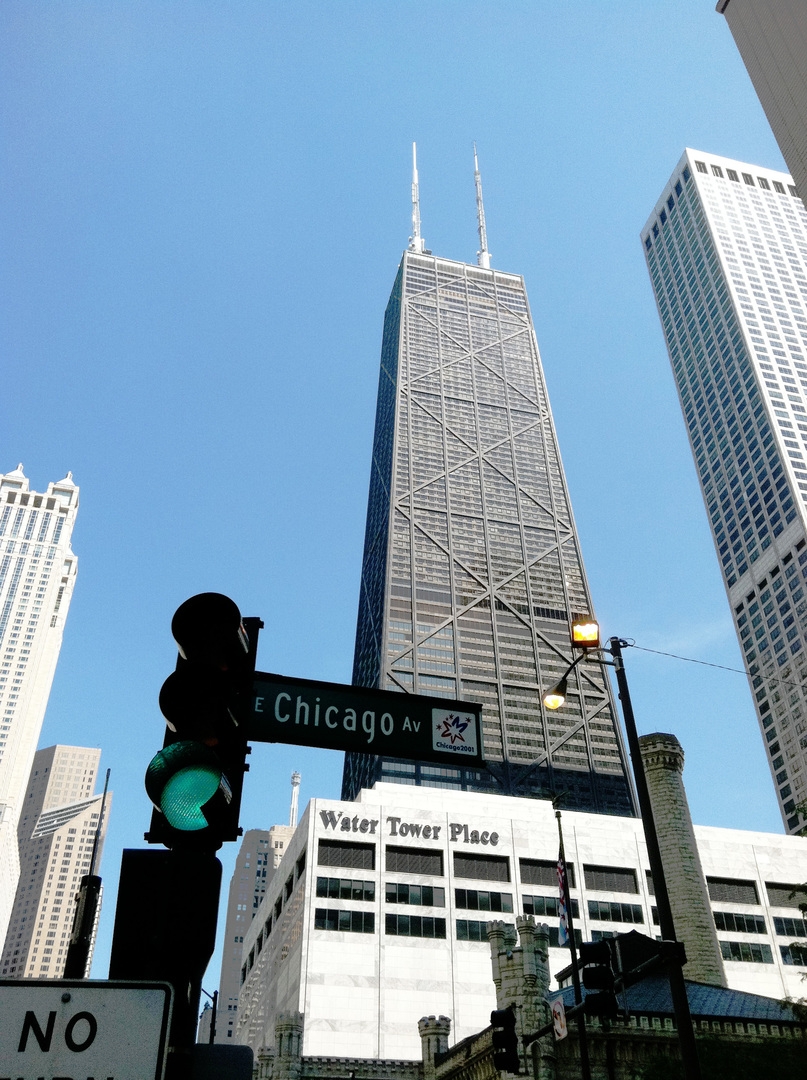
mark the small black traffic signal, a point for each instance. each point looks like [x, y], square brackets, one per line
[195, 781]
[505, 1040]
[596, 960]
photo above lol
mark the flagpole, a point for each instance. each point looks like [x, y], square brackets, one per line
[585, 1065]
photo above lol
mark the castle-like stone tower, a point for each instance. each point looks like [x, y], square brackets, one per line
[521, 978]
[663, 760]
[434, 1032]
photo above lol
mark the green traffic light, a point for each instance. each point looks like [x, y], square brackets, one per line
[181, 779]
[186, 793]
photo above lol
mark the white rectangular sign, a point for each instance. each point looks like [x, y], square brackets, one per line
[65, 1030]
[454, 732]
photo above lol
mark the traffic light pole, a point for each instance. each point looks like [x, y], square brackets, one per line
[585, 1064]
[683, 1017]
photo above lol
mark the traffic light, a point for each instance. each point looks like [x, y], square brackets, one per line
[596, 960]
[195, 781]
[505, 1040]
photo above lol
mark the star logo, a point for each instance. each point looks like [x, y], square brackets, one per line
[452, 728]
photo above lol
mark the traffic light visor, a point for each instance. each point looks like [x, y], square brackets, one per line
[181, 779]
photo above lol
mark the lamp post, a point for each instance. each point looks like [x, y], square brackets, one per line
[553, 700]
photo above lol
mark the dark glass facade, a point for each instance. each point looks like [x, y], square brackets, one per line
[472, 566]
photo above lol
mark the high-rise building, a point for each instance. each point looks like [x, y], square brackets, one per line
[260, 854]
[37, 575]
[254, 866]
[772, 38]
[472, 567]
[726, 247]
[57, 831]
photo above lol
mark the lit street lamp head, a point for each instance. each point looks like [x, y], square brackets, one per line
[554, 698]
[585, 634]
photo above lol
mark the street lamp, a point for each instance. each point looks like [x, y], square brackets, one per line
[585, 636]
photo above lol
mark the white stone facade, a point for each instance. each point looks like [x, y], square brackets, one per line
[37, 575]
[57, 830]
[362, 990]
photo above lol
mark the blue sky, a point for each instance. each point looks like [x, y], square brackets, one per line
[202, 209]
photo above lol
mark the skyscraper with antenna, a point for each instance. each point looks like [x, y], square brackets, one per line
[472, 566]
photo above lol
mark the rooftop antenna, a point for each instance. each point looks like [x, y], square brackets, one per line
[415, 240]
[295, 790]
[483, 255]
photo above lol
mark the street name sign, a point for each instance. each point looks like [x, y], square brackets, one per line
[65, 1030]
[364, 721]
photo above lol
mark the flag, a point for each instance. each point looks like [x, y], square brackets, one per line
[563, 928]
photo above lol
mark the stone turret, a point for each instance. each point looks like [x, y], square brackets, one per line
[288, 1046]
[521, 978]
[434, 1032]
[663, 760]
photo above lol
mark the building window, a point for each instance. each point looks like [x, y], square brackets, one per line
[732, 175]
[741, 924]
[613, 911]
[344, 853]
[779, 186]
[481, 867]
[780, 895]
[746, 951]
[476, 900]
[543, 872]
[763, 183]
[354, 922]
[422, 926]
[345, 889]
[701, 166]
[406, 860]
[419, 895]
[748, 178]
[716, 171]
[790, 927]
[795, 953]
[547, 905]
[732, 891]
[470, 930]
[611, 879]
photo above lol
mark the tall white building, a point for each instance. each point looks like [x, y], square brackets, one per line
[37, 575]
[378, 913]
[57, 829]
[726, 247]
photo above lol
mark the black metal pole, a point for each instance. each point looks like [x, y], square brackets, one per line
[585, 1064]
[683, 1017]
[215, 999]
[85, 917]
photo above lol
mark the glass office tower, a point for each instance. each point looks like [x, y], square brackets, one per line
[472, 566]
[726, 247]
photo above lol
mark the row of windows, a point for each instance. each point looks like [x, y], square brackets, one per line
[747, 951]
[423, 926]
[748, 179]
[532, 871]
[356, 922]
[423, 895]
[608, 911]
[745, 924]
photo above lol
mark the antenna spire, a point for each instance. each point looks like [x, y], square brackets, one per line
[415, 240]
[483, 255]
[295, 789]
